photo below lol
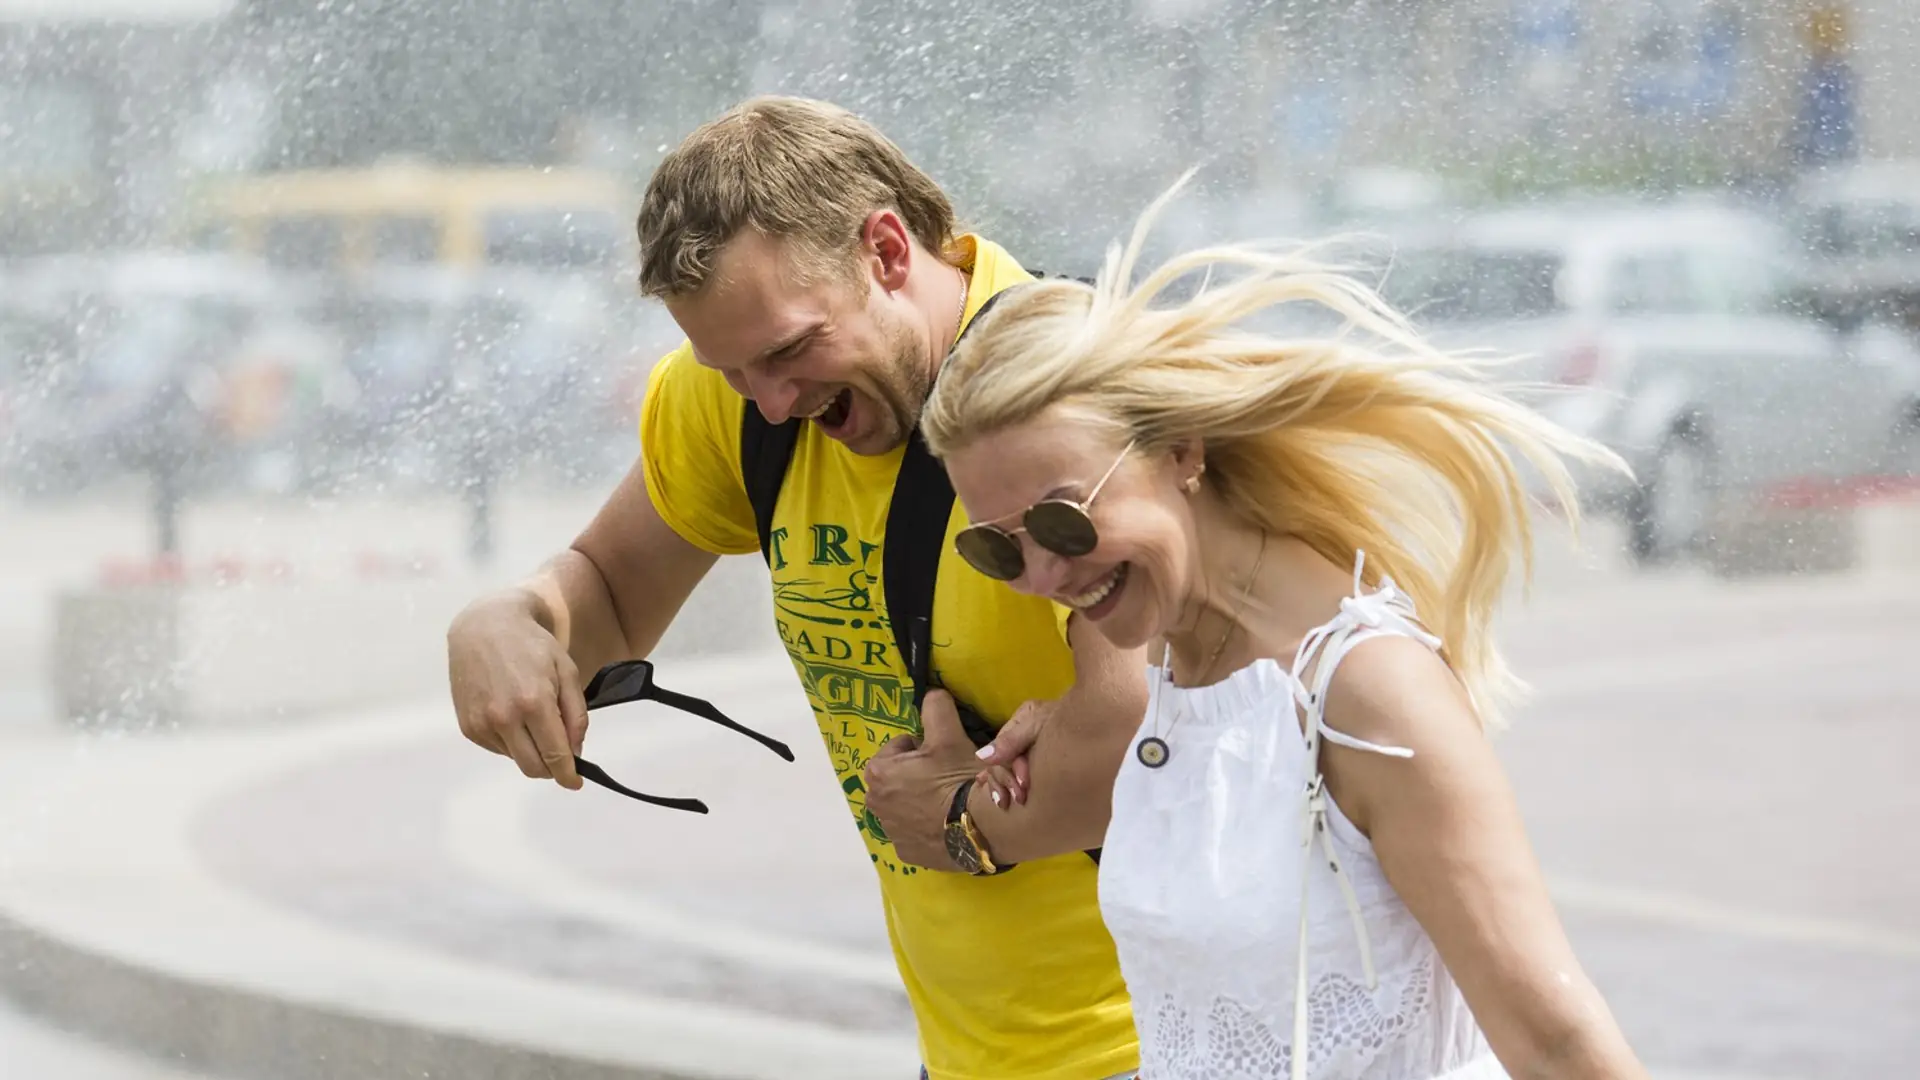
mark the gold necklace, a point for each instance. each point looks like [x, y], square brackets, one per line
[1233, 620]
[1153, 750]
[960, 316]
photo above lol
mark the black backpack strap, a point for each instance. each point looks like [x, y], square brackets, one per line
[765, 452]
[910, 566]
[916, 538]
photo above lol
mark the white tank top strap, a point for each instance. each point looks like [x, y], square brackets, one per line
[1362, 616]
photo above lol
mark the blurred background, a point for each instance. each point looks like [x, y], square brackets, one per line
[318, 317]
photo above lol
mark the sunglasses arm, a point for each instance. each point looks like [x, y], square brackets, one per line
[589, 771]
[701, 708]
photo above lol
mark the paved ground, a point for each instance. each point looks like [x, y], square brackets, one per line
[30, 1050]
[45, 546]
[1712, 777]
[1721, 787]
[1715, 775]
[48, 545]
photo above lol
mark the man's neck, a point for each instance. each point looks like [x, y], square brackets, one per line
[948, 315]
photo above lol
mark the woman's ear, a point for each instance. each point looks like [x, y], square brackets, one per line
[1189, 462]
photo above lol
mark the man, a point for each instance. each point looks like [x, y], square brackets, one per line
[816, 273]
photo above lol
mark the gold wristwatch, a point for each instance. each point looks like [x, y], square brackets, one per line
[965, 845]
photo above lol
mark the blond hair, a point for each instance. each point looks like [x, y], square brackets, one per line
[793, 168]
[1373, 442]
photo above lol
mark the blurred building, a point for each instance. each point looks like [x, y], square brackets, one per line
[108, 105]
[1057, 120]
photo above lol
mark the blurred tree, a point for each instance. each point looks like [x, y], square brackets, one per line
[492, 80]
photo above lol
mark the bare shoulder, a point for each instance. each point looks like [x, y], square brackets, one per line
[1395, 691]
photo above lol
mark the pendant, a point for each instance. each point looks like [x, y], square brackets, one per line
[1152, 751]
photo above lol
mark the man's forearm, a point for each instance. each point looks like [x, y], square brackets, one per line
[569, 596]
[1071, 767]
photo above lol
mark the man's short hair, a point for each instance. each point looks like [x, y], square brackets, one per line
[792, 168]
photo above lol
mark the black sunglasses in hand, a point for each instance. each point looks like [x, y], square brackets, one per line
[632, 680]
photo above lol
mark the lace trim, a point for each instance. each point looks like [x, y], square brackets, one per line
[1346, 1026]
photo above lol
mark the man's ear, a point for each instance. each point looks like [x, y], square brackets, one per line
[888, 248]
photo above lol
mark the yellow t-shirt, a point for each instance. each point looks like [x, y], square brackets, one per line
[1011, 977]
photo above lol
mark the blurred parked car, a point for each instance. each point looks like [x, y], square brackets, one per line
[1668, 333]
[37, 393]
[204, 364]
[475, 371]
[1859, 225]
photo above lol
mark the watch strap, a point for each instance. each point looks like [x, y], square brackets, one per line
[958, 820]
[959, 804]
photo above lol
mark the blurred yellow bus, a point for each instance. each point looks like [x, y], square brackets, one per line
[332, 219]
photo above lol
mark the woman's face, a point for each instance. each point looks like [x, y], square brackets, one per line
[1134, 581]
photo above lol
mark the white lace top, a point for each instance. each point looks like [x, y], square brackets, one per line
[1227, 866]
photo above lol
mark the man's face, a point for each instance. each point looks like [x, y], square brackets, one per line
[846, 355]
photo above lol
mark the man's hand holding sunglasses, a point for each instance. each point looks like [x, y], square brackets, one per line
[516, 692]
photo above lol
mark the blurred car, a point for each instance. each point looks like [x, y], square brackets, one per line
[1382, 197]
[462, 372]
[1859, 225]
[202, 363]
[36, 394]
[1669, 333]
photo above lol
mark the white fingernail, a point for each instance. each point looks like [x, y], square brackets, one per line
[984, 752]
[996, 798]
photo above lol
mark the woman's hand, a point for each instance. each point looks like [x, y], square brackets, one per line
[1005, 779]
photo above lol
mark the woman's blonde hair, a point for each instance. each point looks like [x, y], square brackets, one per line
[1372, 441]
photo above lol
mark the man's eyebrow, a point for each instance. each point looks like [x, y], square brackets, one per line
[789, 342]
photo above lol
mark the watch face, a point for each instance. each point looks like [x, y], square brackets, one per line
[960, 849]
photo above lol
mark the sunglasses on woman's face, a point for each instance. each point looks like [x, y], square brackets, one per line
[1061, 526]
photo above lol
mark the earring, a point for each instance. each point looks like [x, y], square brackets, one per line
[1192, 483]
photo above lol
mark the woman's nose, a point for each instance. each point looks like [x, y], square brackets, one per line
[1046, 573]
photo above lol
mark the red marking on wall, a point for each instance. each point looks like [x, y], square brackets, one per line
[1831, 493]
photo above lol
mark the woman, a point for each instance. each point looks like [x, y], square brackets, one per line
[1315, 866]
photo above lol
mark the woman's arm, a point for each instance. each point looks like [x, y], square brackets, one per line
[1447, 831]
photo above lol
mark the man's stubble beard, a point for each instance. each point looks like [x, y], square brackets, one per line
[905, 387]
